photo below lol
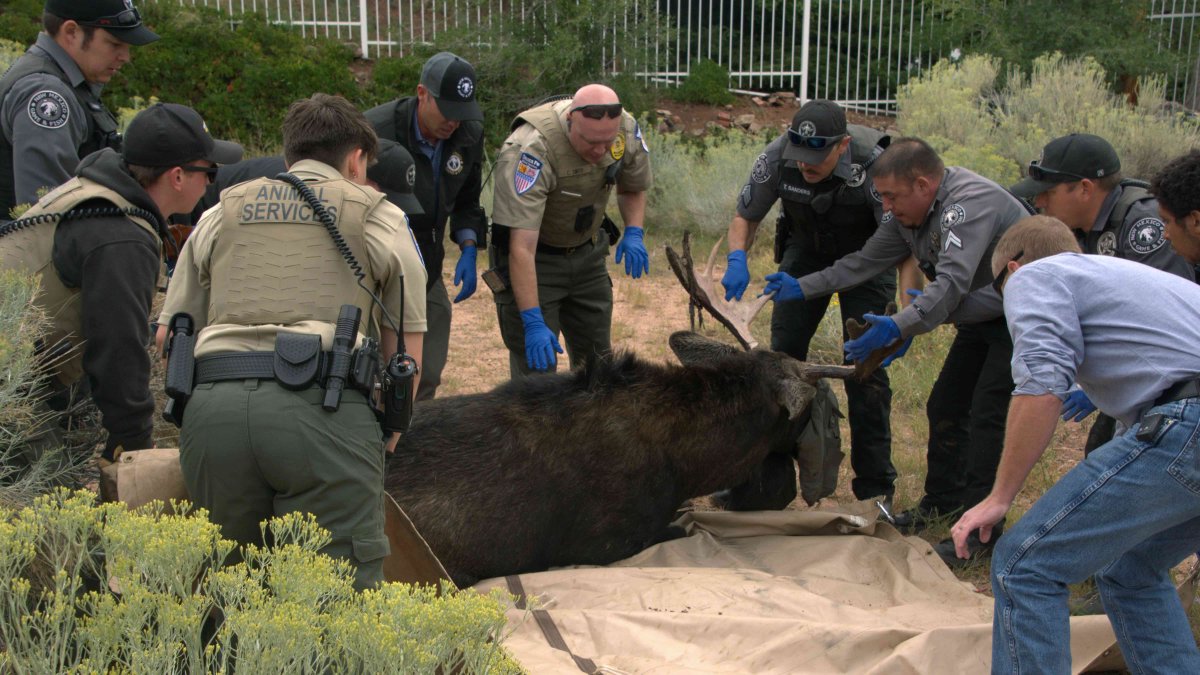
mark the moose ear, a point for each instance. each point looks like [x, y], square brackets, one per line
[796, 395]
[693, 349]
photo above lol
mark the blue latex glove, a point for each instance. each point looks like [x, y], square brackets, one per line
[737, 276]
[784, 286]
[883, 332]
[1077, 406]
[633, 250]
[464, 273]
[540, 343]
[912, 293]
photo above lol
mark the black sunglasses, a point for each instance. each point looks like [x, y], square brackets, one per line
[210, 171]
[598, 111]
[1039, 172]
[129, 18]
[998, 282]
[813, 142]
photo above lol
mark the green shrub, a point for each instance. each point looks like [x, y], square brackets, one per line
[10, 51]
[20, 21]
[707, 83]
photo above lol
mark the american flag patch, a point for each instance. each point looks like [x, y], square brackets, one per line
[527, 172]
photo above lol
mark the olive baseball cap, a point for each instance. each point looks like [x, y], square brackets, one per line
[1068, 159]
[451, 81]
[816, 128]
[396, 173]
[169, 134]
[118, 17]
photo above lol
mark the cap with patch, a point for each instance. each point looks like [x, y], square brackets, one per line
[169, 134]
[816, 128]
[451, 81]
[396, 173]
[1068, 159]
[118, 17]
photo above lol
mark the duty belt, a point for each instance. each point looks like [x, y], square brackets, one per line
[564, 250]
[249, 365]
[1178, 391]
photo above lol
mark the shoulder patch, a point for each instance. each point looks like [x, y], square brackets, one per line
[762, 171]
[48, 109]
[527, 172]
[857, 176]
[1146, 235]
[886, 217]
[454, 165]
[953, 215]
[875, 193]
[618, 146]
[1107, 243]
[637, 134]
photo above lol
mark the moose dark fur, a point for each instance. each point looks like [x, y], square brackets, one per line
[589, 467]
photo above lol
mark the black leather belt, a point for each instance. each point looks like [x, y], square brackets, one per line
[1178, 391]
[249, 365]
[564, 250]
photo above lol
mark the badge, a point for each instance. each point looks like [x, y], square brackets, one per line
[637, 133]
[410, 176]
[886, 217]
[953, 215]
[875, 193]
[762, 171]
[618, 146]
[745, 196]
[806, 129]
[527, 172]
[454, 165]
[465, 87]
[1107, 243]
[1146, 235]
[857, 176]
[48, 109]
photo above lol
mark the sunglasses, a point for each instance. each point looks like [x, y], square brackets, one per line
[1041, 173]
[129, 18]
[998, 282]
[598, 111]
[209, 171]
[813, 142]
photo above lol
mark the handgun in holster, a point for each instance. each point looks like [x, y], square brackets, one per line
[783, 230]
[610, 228]
[495, 275]
[181, 366]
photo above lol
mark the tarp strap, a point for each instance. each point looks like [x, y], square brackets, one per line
[549, 630]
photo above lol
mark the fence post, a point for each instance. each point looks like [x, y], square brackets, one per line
[804, 53]
[362, 24]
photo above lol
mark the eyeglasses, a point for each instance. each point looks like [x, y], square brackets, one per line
[210, 171]
[129, 18]
[998, 282]
[1039, 172]
[813, 142]
[598, 111]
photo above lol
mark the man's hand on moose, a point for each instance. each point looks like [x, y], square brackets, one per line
[633, 250]
[883, 332]
[540, 342]
[784, 286]
[1077, 406]
[737, 275]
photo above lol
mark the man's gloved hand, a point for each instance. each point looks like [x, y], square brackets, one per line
[784, 286]
[540, 342]
[464, 273]
[912, 293]
[633, 250]
[1077, 406]
[883, 332]
[737, 275]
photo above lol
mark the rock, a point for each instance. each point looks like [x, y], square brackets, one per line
[744, 121]
[754, 127]
[758, 101]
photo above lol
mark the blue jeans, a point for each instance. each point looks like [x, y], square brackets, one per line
[1128, 514]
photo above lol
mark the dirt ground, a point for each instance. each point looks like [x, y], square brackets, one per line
[775, 112]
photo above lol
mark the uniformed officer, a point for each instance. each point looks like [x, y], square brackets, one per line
[819, 169]
[50, 110]
[556, 171]
[96, 243]
[1078, 180]
[264, 279]
[949, 219]
[442, 128]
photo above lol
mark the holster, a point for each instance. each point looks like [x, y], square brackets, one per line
[610, 228]
[297, 360]
[783, 230]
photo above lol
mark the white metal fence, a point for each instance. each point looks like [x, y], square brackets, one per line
[856, 52]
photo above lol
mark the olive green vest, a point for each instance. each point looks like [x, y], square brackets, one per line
[273, 262]
[30, 250]
[579, 184]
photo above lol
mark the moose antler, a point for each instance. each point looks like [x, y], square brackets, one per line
[704, 291]
[863, 369]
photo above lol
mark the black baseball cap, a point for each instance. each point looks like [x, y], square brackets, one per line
[451, 81]
[169, 134]
[816, 128]
[1068, 159]
[118, 17]
[396, 173]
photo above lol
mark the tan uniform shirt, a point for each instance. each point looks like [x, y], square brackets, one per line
[388, 245]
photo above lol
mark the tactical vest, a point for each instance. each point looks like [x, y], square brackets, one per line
[30, 250]
[1133, 192]
[593, 183]
[833, 221]
[273, 262]
[102, 126]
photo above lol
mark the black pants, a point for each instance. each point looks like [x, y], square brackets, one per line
[967, 410]
[793, 325]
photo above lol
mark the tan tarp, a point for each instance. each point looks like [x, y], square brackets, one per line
[766, 592]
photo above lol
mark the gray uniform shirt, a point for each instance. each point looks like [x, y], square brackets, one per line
[45, 123]
[1140, 236]
[1122, 331]
[966, 219]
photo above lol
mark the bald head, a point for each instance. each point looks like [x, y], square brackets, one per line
[593, 121]
[594, 94]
